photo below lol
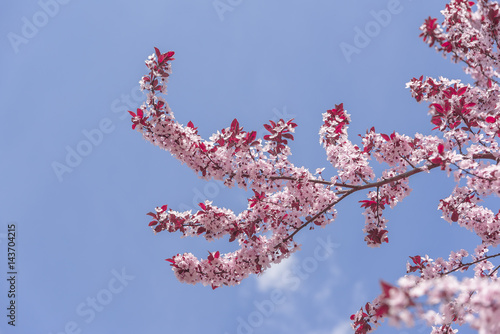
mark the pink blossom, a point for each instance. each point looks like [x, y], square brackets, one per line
[287, 199]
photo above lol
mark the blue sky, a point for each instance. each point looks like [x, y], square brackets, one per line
[88, 263]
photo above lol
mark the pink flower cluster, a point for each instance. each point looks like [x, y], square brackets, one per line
[437, 297]
[467, 118]
[286, 198]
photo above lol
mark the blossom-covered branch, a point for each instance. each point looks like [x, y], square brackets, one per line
[286, 198]
[468, 118]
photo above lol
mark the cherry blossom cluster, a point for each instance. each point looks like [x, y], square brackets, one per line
[286, 198]
[467, 118]
[437, 297]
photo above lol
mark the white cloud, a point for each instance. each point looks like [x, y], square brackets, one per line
[336, 272]
[324, 292]
[275, 277]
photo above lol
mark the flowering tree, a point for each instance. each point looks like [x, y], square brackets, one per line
[287, 199]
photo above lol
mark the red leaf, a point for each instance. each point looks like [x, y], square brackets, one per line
[437, 161]
[158, 53]
[382, 310]
[269, 128]
[386, 137]
[153, 223]
[202, 205]
[140, 113]
[454, 216]
[441, 148]
[462, 91]
[367, 203]
[252, 136]
[338, 128]
[490, 119]
[131, 113]
[235, 125]
[386, 287]
[438, 107]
